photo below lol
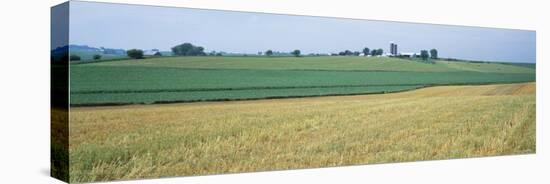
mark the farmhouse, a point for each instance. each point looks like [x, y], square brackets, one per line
[387, 54]
[408, 54]
[151, 52]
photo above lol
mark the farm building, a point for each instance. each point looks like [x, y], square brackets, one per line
[393, 49]
[409, 54]
[151, 52]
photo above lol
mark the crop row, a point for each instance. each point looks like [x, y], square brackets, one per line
[221, 95]
[150, 79]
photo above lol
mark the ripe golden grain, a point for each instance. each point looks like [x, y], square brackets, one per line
[129, 142]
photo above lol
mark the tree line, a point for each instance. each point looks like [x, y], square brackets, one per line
[425, 55]
[188, 49]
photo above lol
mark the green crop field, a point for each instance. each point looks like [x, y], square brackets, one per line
[453, 116]
[187, 79]
[318, 63]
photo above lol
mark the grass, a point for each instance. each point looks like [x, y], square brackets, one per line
[345, 63]
[137, 78]
[146, 141]
[185, 79]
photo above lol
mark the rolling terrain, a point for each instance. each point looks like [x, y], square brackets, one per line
[148, 141]
[191, 79]
[345, 63]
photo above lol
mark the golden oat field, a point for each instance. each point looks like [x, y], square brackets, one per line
[146, 141]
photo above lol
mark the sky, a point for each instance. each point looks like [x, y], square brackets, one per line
[151, 27]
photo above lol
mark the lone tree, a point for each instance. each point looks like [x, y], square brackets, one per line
[366, 51]
[187, 49]
[269, 53]
[296, 53]
[433, 53]
[74, 58]
[135, 53]
[157, 54]
[424, 54]
[97, 57]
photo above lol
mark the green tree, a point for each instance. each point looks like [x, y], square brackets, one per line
[379, 52]
[182, 49]
[188, 49]
[197, 51]
[366, 51]
[373, 52]
[157, 54]
[433, 53]
[74, 58]
[348, 53]
[135, 53]
[424, 54]
[97, 57]
[269, 53]
[296, 53]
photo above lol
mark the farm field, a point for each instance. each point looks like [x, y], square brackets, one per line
[346, 63]
[190, 79]
[89, 56]
[144, 92]
[148, 141]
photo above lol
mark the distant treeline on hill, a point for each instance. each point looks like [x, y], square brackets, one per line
[461, 60]
[85, 53]
[102, 50]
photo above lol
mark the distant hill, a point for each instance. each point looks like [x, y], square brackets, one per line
[86, 52]
[102, 50]
[83, 48]
[332, 63]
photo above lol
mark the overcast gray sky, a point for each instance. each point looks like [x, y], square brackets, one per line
[148, 27]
